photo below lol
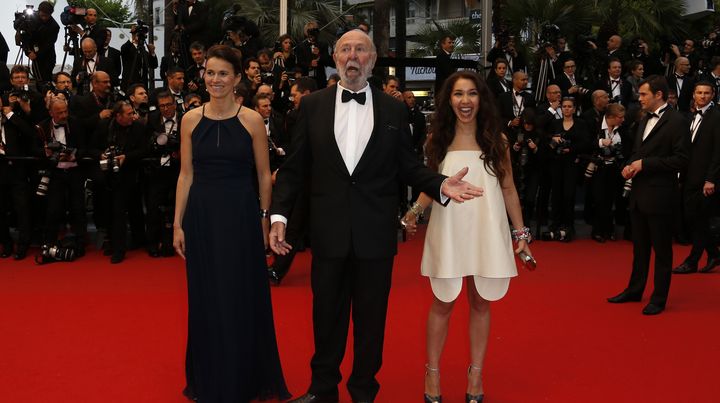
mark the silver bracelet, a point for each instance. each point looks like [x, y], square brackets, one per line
[521, 234]
[416, 209]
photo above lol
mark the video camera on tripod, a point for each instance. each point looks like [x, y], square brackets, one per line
[26, 22]
[141, 30]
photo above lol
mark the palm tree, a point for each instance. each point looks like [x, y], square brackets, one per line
[467, 37]
[650, 19]
[265, 13]
[526, 18]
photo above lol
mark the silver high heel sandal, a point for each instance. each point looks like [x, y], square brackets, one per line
[428, 398]
[474, 398]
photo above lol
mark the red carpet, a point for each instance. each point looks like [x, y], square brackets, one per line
[92, 332]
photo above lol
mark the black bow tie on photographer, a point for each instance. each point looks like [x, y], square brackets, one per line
[58, 126]
[359, 97]
[169, 121]
[679, 77]
[698, 112]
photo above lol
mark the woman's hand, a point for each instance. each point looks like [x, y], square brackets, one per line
[409, 222]
[179, 241]
[522, 246]
[266, 231]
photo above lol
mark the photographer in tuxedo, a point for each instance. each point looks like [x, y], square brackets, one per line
[513, 103]
[91, 28]
[618, 90]
[85, 67]
[16, 140]
[353, 169]
[94, 106]
[120, 144]
[162, 174]
[63, 140]
[699, 180]
[659, 154]
[682, 83]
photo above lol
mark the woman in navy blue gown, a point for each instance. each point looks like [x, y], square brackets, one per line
[221, 229]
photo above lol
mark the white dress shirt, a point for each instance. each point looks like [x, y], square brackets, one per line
[353, 126]
[653, 120]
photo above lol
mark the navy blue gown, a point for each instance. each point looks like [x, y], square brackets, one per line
[232, 353]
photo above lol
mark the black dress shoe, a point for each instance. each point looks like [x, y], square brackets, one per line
[153, 252]
[7, 251]
[117, 257]
[624, 297]
[598, 238]
[711, 265]
[20, 253]
[310, 398]
[652, 309]
[685, 268]
[274, 277]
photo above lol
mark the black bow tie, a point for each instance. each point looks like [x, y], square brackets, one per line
[169, 121]
[615, 81]
[359, 97]
[201, 67]
[267, 121]
[58, 126]
[679, 77]
[518, 94]
[653, 115]
[699, 112]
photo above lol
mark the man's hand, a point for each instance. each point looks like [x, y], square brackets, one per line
[631, 170]
[120, 159]
[151, 49]
[459, 190]
[708, 189]
[277, 239]
[32, 55]
[192, 86]
[105, 113]
[606, 142]
[6, 110]
[515, 122]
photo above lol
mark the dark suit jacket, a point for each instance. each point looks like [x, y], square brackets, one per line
[351, 213]
[131, 58]
[493, 81]
[103, 64]
[114, 56]
[75, 136]
[505, 105]
[443, 69]
[87, 109]
[664, 153]
[685, 95]
[19, 137]
[704, 163]
[626, 94]
[195, 23]
[133, 141]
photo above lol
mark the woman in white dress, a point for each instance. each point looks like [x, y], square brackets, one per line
[469, 242]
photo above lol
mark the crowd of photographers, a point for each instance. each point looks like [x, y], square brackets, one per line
[99, 138]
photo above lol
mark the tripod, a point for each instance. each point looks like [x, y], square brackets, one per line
[71, 46]
[140, 61]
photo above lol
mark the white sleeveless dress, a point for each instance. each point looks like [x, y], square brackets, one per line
[471, 238]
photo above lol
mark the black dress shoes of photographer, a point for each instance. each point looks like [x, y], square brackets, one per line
[652, 309]
[685, 268]
[711, 265]
[117, 257]
[310, 398]
[623, 297]
[20, 253]
[7, 251]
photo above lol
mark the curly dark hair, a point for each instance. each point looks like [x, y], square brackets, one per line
[488, 136]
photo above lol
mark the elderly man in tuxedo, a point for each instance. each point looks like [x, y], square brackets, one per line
[659, 154]
[353, 143]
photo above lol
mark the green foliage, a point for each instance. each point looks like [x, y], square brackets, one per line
[467, 38]
[109, 11]
[525, 18]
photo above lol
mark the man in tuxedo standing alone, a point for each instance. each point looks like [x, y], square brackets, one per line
[352, 142]
[659, 154]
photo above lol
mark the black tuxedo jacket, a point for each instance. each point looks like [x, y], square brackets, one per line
[113, 55]
[443, 69]
[96, 33]
[133, 141]
[86, 108]
[351, 213]
[75, 136]
[505, 105]
[493, 82]
[626, 94]
[194, 22]
[19, 137]
[131, 58]
[564, 83]
[103, 64]
[704, 163]
[685, 94]
[664, 153]
[156, 123]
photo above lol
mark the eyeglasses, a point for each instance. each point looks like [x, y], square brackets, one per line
[570, 66]
[165, 106]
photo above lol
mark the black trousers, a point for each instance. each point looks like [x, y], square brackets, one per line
[651, 231]
[15, 193]
[341, 286]
[698, 210]
[162, 183]
[604, 187]
[563, 173]
[125, 190]
[66, 192]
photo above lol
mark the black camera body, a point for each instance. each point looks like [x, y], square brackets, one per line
[116, 95]
[164, 144]
[72, 15]
[613, 151]
[22, 93]
[58, 149]
[111, 164]
[55, 253]
[142, 30]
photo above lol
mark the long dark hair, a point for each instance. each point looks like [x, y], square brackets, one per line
[488, 135]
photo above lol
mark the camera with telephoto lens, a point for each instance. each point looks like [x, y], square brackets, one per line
[627, 188]
[613, 151]
[561, 146]
[116, 95]
[111, 163]
[44, 185]
[524, 149]
[164, 143]
[54, 253]
[72, 15]
[592, 167]
[22, 93]
[58, 149]
[142, 30]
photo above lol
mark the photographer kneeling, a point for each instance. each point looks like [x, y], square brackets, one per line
[120, 145]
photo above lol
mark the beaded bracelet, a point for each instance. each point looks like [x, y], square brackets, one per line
[416, 209]
[522, 234]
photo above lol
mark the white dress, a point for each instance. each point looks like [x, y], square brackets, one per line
[471, 238]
